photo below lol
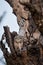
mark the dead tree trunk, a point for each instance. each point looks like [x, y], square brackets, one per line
[27, 46]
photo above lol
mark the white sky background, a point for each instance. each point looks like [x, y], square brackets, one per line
[9, 19]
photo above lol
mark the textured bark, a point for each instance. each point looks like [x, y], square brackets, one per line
[27, 46]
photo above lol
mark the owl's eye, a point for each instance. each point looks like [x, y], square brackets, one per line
[20, 41]
[16, 41]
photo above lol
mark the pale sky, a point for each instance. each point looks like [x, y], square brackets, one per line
[9, 19]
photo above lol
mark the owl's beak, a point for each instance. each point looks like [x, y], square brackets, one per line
[20, 46]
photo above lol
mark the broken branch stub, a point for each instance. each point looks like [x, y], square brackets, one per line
[8, 38]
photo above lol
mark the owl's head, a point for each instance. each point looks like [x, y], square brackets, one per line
[18, 43]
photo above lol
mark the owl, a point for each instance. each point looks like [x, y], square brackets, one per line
[18, 43]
